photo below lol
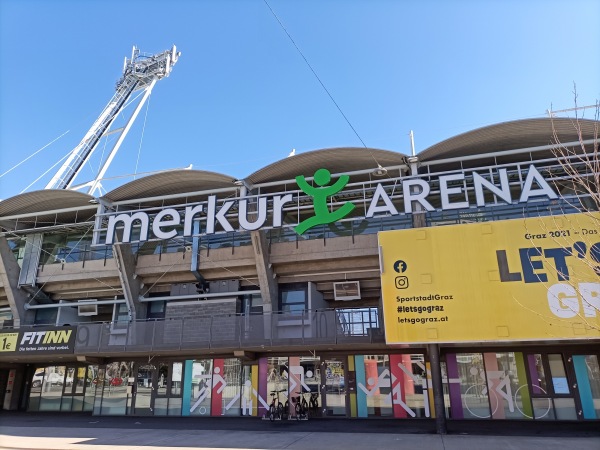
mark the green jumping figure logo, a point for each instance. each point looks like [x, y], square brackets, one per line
[319, 194]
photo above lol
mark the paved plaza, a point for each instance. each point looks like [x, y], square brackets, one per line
[86, 432]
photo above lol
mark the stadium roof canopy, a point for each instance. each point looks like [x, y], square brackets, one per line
[170, 183]
[52, 203]
[336, 160]
[518, 134]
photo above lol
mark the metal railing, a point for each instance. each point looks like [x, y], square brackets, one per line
[236, 331]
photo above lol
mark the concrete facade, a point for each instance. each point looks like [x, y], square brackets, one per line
[225, 322]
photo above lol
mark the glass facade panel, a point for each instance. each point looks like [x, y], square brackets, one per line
[163, 378]
[277, 381]
[249, 404]
[77, 377]
[543, 408]
[587, 373]
[66, 404]
[176, 379]
[304, 377]
[99, 381]
[559, 377]
[491, 385]
[377, 385]
[36, 390]
[446, 389]
[231, 394]
[90, 388]
[507, 386]
[311, 370]
[473, 387]
[78, 404]
[52, 388]
[201, 387]
[518, 386]
[538, 375]
[409, 393]
[565, 409]
[161, 405]
[62, 388]
[174, 407]
[116, 397]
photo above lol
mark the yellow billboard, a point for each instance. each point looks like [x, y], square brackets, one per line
[515, 280]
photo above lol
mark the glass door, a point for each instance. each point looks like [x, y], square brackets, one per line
[167, 390]
[145, 389]
[74, 387]
[335, 404]
[553, 387]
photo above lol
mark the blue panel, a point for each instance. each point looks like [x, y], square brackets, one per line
[187, 388]
[361, 397]
[585, 390]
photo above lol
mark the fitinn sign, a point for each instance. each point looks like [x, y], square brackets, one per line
[167, 223]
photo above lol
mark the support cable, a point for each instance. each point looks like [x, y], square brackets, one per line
[142, 137]
[42, 175]
[319, 80]
[35, 153]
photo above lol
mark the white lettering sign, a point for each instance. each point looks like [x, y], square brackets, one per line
[252, 213]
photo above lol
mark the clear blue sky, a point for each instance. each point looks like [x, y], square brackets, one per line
[241, 97]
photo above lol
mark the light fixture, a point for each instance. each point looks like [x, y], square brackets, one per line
[380, 171]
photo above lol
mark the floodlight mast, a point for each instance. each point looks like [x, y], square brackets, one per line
[142, 71]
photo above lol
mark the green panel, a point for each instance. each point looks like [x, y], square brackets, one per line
[522, 374]
[361, 397]
[187, 387]
[585, 390]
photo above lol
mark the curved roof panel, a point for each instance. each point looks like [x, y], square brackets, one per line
[509, 136]
[336, 160]
[169, 183]
[42, 201]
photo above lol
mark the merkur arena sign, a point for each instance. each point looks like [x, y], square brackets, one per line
[268, 211]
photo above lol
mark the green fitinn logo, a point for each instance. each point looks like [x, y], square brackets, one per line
[319, 194]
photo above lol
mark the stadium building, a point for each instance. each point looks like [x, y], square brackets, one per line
[462, 282]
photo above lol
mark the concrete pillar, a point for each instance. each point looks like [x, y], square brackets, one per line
[269, 290]
[130, 283]
[433, 350]
[438, 390]
[9, 275]
[266, 277]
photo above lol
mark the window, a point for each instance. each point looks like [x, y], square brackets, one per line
[293, 298]
[46, 316]
[156, 310]
[6, 317]
[121, 313]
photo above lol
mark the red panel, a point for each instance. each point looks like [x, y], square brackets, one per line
[399, 375]
[217, 387]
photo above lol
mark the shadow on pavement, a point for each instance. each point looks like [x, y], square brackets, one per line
[480, 427]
